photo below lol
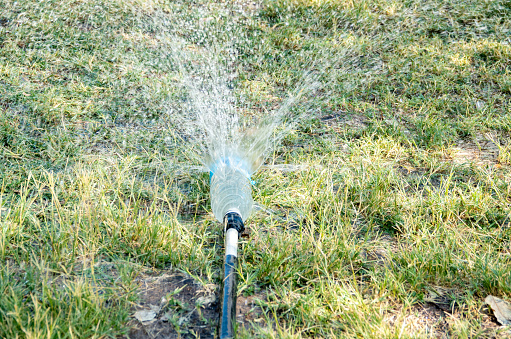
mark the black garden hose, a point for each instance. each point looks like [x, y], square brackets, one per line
[233, 227]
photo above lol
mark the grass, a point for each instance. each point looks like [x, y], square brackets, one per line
[384, 222]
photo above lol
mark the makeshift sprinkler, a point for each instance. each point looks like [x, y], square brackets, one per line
[232, 147]
[232, 156]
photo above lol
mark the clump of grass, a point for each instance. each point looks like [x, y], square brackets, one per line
[36, 305]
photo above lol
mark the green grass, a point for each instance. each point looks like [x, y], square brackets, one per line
[95, 187]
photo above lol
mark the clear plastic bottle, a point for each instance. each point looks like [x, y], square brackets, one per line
[230, 190]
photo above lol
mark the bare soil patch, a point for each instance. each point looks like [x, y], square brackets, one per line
[341, 121]
[479, 150]
[434, 320]
[183, 308]
[178, 306]
[421, 318]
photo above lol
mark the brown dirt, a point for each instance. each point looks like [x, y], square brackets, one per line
[248, 311]
[173, 297]
[342, 121]
[432, 320]
[380, 255]
[184, 308]
[421, 318]
[479, 150]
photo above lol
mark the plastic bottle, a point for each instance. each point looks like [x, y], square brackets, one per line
[230, 189]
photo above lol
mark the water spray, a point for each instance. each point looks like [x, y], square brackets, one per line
[231, 147]
[231, 201]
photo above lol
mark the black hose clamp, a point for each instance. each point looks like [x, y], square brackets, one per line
[233, 220]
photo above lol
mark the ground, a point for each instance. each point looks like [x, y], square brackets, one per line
[382, 208]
